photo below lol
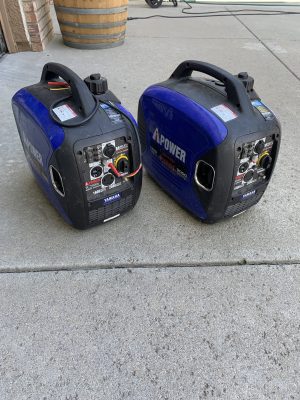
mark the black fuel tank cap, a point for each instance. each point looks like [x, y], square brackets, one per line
[247, 80]
[96, 83]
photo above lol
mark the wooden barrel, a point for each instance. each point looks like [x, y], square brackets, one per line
[92, 24]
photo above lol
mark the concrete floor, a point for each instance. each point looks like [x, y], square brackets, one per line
[172, 333]
[194, 332]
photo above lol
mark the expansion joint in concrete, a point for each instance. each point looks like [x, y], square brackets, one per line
[131, 267]
[266, 47]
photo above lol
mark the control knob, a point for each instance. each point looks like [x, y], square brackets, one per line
[259, 147]
[248, 175]
[265, 161]
[109, 150]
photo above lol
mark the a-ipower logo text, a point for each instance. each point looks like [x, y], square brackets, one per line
[169, 146]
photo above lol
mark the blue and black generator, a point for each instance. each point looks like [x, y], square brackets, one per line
[81, 144]
[210, 143]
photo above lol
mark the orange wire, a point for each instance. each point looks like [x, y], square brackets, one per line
[135, 172]
[117, 173]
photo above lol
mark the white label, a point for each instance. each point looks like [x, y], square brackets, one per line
[224, 112]
[64, 112]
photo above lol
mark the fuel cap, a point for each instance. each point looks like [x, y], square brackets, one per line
[96, 83]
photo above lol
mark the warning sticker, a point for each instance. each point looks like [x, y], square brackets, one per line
[65, 112]
[224, 112]
[112, 114]
[265, 112]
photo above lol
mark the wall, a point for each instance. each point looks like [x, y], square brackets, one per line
[30, 25]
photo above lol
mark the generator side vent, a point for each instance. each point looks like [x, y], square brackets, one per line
[110, 210]
[57, 181]
[204, 175]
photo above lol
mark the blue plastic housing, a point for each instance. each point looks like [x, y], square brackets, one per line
[40, 137]
[188, 128]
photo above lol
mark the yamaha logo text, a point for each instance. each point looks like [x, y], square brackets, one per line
[249, 194]
[112, 198]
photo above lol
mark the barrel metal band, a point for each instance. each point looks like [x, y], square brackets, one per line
[93, 26]
[78, 36]
[71, 10]
[93, 45]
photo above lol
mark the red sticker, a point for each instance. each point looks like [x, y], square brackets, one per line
[92, 182]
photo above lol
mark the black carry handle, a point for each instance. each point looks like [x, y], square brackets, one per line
[83, 98]
[236, 92]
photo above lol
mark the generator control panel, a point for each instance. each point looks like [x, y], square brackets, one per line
[104, 167]
[254, 163]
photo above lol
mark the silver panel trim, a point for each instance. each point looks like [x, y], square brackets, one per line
[109, 219]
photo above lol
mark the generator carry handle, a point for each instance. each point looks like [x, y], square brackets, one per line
[82, 97]
[236, 92]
